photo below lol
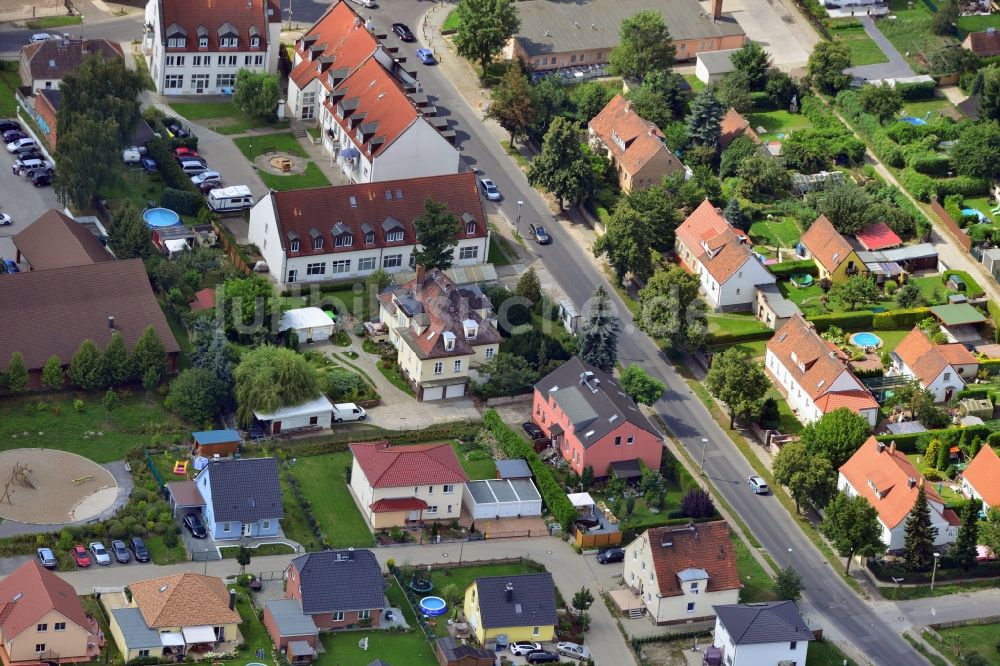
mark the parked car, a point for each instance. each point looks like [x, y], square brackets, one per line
[193, 167]
[542, 657]
[426, 56]
[47, 558]
[148, 164]
[29, 153]
[611, 555]
[194, 525]
[757, 485]
[539, 233]
[80, 556]
[370, 4]
[12, 135]
[184, 151]
[5, 220]
[182, 159]
[521, 648]
[11, 266]
[39, 37]
[490, 190]
[6, 125]
[139, 549]
[207, 187]
[120, 551]
[207, 176]
[175, 128]
[574, 650]
[100, 553]
[403, 32]
[532, 430]
[42, 179]
[18, 144]
[131, 155]
[348, 411]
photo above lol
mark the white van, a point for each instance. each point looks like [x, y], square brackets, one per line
[234, 198]
[348, 411]
[131, 155]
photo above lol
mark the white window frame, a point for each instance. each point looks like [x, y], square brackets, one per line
[364, 615]
[367, 263]
[394, 236]
[344, 240]
[173, 82]
[468, 252]
[439, 368]
[489, 352]
[470, 228]
[228, 42]
[318, 268]
[318, 243]
[341, 266]
[392, 261]
[449, 488]
[203, 42]
[337, 616]
[458, 365]
[255, 42]
[431, 510]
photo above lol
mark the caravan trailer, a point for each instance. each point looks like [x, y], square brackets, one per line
[229, 199]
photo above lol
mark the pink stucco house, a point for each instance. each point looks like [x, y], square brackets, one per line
[592, 422]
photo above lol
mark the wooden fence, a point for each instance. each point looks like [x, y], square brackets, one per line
[231, 248]
[956, 231]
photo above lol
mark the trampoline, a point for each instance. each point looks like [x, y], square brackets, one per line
[160, 217]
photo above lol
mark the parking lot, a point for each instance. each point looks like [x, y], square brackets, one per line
[22, 201]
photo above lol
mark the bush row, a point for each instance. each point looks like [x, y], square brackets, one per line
[925, 188]
[887, 150]
[790, 268]
[921, 90]
[171, 173]
[849, 321]
[991, 391]
[725, 338]
[994, 310]
[932, 164]
[908, 443]
[338, 441]
[514, 447]
[896, 319]
[182, 201]
[991, 366]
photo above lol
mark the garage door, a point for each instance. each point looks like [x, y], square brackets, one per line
[455, 391]
[434, 393]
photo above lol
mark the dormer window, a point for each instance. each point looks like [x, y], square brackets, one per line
[395, 236]
[470, 228]
[203, 42]
[471, 329]
[177, 42]
[345, 240]
[449, 340]
[228, 42]
[254, 42]
[293, 246]
[370, 238]
[318, 243]
[228, 36]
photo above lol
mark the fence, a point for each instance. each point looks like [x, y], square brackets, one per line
[963, 238]
[231, 247]
[152, 468]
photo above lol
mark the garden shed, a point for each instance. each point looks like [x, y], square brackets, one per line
[210, 443]
[991, 259]
[317, 413]
[981, 407]
[310, 324]
[502, 498]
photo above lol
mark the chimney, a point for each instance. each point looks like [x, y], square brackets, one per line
[350, 553]
[232, 599]
[111, 322]
[911, 482]
[508, 592]
[628, 106]
[892, 448]
[420, 275]
[881, 447]
[716, 10]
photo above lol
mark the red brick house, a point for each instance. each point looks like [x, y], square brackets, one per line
[292, 631]
[592, 422]
[338, 589]
[47, 113]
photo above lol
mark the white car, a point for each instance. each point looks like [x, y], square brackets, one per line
[40, 37]
[100, 553]
[207, 176]
[365, 3]
[5, 220]
[490, 189]
[757, 485]
[521, 648]
[574, 650]
[15, 146]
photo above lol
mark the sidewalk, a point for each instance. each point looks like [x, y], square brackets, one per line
[315, 153]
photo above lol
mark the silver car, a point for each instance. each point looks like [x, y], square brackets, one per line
[100, 553]
[574, 650]
[47, 558]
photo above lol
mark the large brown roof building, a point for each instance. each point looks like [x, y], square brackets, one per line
[44, 64]
[57, 241]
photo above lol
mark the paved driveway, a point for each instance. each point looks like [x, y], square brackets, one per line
[897, 67]
[776, 27]
[22, 201]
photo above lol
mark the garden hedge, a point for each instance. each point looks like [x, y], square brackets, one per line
[994, 311]
[515, 447]
[932, 165]
[921, 90]
[951, 436]
[182, 201]
[887, 150]
[849, 321]
[724, 338]
[897, 319]
[972, 288]
[790, 268]
[991, 366]
[171, 172]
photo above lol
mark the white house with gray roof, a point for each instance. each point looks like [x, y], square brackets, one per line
[243, 498]
[764, 633]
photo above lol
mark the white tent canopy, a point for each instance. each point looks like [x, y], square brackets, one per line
[581, 500]
[171, 639]
[320, 404]
[304, 318]
[201, 634]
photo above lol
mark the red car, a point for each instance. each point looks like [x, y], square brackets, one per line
[81, 556]
[181, 151]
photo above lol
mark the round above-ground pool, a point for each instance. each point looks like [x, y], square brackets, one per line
[433, 606]
[913, 121]
[160, 217]
[866, 340]
[975, 212]
[802, 280]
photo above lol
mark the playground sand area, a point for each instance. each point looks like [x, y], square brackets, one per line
[57, 487]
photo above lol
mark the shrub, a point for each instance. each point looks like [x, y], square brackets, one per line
[897, 319]
[789, 268]
[696, 503]
[849, 321]
[724, 338]
[932, 165]
[887, 150]
[920, 186]
[912, 91]
[181, 201]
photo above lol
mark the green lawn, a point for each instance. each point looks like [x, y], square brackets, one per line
[202, 110]
[972, 288]
[983, 204]
[753, 349]
[160, 554]
[260, 551]
[283, 142]
[501, 253]
[52, 422]
[981, 638]
[940, 590]
[809, 298]
[324, 487]
[910, 32]
[395, 377]
[696, 84]
[312, 177]
[295, 524]
[757, 585]
[939, 106]
[407, 649]
[825, 653]
[864, 50]
[10, 80]
[733, 322]
[787, 422]
[641, 518]
[776, 232]
[46, 22]
[397, 599]
[967, 24]
[777, 122]
[451, 23]
[476, 469]
[243, 125]
[462, 577]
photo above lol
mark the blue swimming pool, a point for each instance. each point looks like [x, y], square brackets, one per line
[977, 213]
[866, 340]
[160, 217]
[913, 121]
[433, 606]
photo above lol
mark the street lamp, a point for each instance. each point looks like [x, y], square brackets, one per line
[517, 225]
[789, 558]
[937, 556]
[704, 445]
[289, 10]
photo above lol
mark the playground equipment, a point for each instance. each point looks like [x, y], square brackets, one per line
[20, 475]
[181, 467]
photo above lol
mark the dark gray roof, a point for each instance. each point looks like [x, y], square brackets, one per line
[593, 413]
[771, 622]
[290, 619]
[340, 580]
[513, 469]
[906, 428]
[533, 601]
[453, 650]
[245, 490]
[781, 306]
[135, 631]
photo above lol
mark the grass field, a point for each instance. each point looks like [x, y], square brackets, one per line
[476, 469]
[46, 22]
[777, 122]
[864, 50]
[939, 106]
[910, 32]
[312, 177]
[409, 649]
[777, 232]
[251, 147]
[981, 638]
[757, 585]
[787, 423]
[825, 653]
[696, 84]
[203, 110]
[51, 421]
[501, 253]
[160, 554]
[322, 481]
[733, 322]
[967, 24]
[451, 23]
[10, 80]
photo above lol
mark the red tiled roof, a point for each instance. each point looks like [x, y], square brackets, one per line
[983, 43]
[852, 400]
[29, 592]
[889, 472]
[57, 241]
[377, 207]
[643, 140]
[926, 360]
[390, 504]
[337, 41]
[246, 17]
[878, 236]
[704, 546]
[733, 124]
[54, 58]
[717, 246]
[401, 466]
[204, 299]
[826, 244]
[983, 474]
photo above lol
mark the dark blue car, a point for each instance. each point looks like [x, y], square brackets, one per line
[148, 164]
[11, 266]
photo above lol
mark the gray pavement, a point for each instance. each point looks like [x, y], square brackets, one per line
[22, 201]
[778, 27]
[897, 67]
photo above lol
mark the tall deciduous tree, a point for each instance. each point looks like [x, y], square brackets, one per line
[149, 358]
[754, 61]
[811, 480]
[129, 235]
[671, 310]
[53, 375]
[597, 337]
[561, 167]
[739, 382]
[211, 352]
[826, 66]
[975, 153]
[644, 46]
[437, 231]
[919, 533]
[704, 118]
[271, 377]
[16, 376]
[851, 524]
[509, 374]
[512, 104]
[249, 307]
[909, 296]
[734, 91]
[659, 210]
[87, 159]
[484, 28]
[85, 368]
[882, 101]
[256, 93]
[641, 386]
[591, 98]
[989, 98]
[626, 242]
[116, 366]
[196, 395]
[761, 177]
[102, 89]
[856, 290]
[964, 551]
[836, 436]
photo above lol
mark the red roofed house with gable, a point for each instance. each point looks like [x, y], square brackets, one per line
[734, 125]
[878, 236]
[722, 257]
[41, 620]
[197, 47]
[394, 485]
[814, 374]
[888, 480]
[981, 479]
[941, 369]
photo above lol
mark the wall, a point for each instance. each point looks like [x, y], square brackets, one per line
[758, 653]
[49, 117]
[420, 151]
[325, 621]
[738, 291]
[800, 402]
[840, 274]
[66, 644]
[957, 234]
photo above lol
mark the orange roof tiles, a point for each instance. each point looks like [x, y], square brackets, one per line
[337, 41]
[733, 124]
[826, 244]
[183, 600]
[983, 474]
[29, 592]
[717, 246]
[704, 546]
[388, 466]
[619, 125]
[984, 43]
[926, 360]
[247, 17]
[878, 236]
[852, 400]
[889, 472]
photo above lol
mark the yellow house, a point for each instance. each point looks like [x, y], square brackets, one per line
[833, 254]
[523, 608]
[165, 617]
[440, 331]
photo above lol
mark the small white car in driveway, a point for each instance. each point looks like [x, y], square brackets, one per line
[40, 37]
[5, 220]
[100, 553]
[206, 176]
[15, 146]
[521, 648]
[574, 650]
